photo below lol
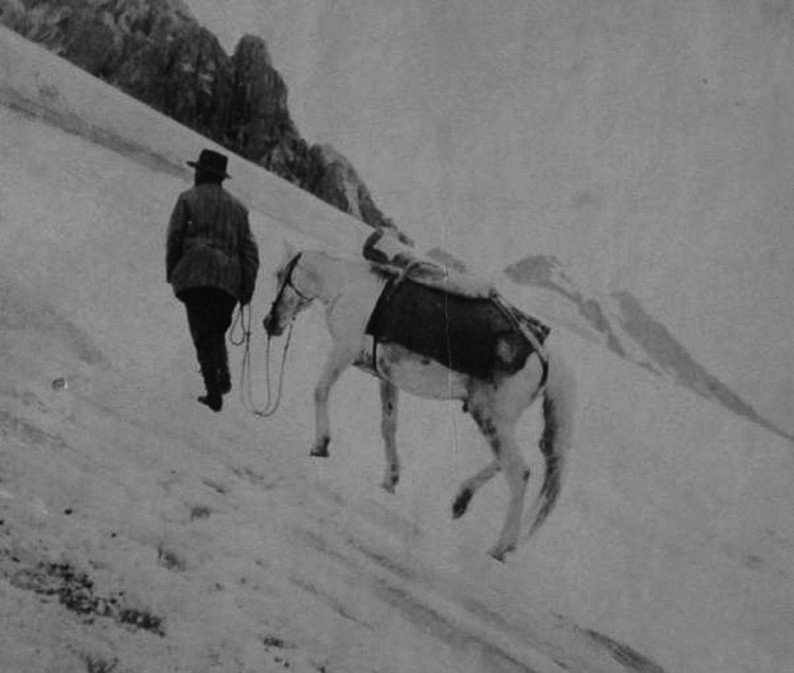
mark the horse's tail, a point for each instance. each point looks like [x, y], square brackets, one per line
[558, 415]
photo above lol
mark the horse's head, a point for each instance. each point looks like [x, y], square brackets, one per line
[290, 298]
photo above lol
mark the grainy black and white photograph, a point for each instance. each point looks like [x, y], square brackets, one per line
[396, 336]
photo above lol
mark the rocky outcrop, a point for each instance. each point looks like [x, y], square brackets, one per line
[260, 118]
[261, 126]
[12, 12]
[152, 49]
[157, 52]
[337, 182]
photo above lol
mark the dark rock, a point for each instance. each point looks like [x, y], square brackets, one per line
[185, 75]
[338, 183]
[13, 14]
[260, 118]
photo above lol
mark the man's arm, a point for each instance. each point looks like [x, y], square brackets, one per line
[176, 229]
[249, 262]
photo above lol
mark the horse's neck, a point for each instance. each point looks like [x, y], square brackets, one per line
[331, 276]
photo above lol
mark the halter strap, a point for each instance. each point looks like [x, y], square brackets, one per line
[288, 281]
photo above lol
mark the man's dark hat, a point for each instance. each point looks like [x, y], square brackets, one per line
[212, 162]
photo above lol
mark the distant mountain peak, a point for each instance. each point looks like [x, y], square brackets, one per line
[660, 344]
[547, 271]
[634, 334]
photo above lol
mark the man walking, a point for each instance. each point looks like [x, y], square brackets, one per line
[211, 262]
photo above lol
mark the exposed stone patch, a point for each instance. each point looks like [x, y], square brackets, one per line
[199, 512]
[625, 655]
[76, 592]
[170, 559]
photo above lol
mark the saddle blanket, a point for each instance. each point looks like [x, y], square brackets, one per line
[475, 336]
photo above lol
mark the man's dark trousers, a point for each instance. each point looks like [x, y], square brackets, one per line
[209, 315]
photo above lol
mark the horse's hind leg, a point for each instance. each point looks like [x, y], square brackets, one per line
[389, 397]
[500, 435]
[469, 487]
[337, 362]
[516, 474]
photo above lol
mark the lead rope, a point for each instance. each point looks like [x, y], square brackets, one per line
[243, 318]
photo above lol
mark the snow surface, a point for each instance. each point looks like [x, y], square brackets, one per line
[670, 548]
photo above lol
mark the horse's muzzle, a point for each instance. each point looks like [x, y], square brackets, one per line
[271, 326]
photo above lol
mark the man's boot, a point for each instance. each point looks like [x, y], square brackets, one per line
[209, 371]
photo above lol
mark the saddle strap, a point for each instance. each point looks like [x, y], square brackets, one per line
[529, 335]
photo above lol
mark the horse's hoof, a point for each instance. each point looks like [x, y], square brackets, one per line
[320, 450]
[389, 484]
[461, 503]
[390, 480]
[498, 554]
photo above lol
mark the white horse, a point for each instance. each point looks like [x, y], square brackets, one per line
[349, 289]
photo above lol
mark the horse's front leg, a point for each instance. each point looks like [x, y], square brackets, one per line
[337, 362]
[388, 398]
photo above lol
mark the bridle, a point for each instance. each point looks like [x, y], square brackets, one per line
[271, 406]
[287, 282]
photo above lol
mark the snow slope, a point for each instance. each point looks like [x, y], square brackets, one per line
[141, 532]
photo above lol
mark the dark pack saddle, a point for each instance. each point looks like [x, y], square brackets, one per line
[452, 321]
